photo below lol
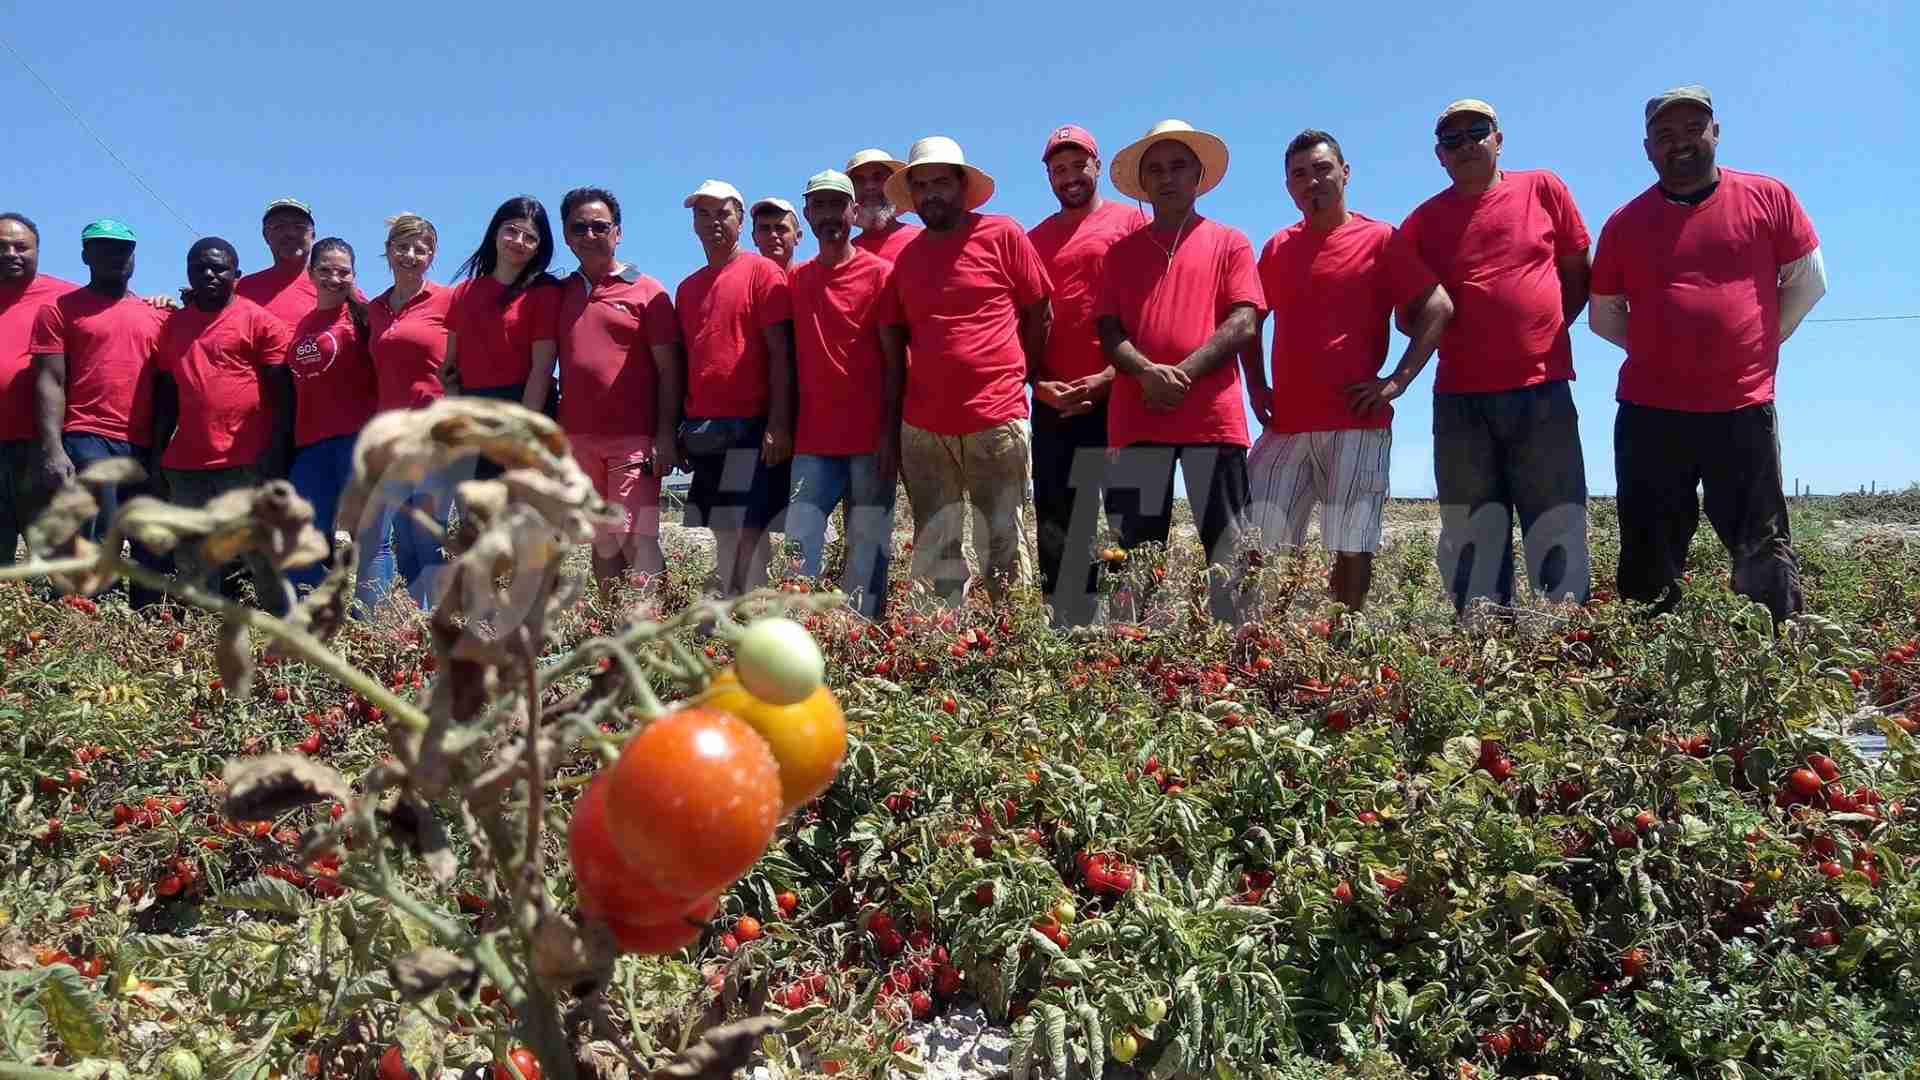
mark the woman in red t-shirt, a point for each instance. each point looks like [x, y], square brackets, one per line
[503, 325]
[333, 388]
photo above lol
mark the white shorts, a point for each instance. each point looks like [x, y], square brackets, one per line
[1345, 472]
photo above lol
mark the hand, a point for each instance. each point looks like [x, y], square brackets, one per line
[666, 456]
[164, 303]
[1095, 388]
[1373, 395]
[1260, 395]
[776, 446]
[1058, 396]
[56, 468]
[1165, 387]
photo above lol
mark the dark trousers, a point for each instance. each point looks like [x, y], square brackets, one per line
[22, 496]
[1501, 454]
[84, 448]
[1069, 478]
[1660, 457]
[196, 488]
[1140, 498]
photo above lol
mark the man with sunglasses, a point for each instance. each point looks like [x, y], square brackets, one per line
[1510, 249]
[619, 383]
[1700, 278]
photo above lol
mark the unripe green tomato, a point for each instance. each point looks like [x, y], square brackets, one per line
[779, 662]
[1124, 1046]
[181, 1064]
[1064, 912]
[1156, 1010]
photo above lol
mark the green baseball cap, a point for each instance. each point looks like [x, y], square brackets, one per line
[108, 229]
[829, 180]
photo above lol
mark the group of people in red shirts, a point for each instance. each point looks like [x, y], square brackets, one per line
[970, 358]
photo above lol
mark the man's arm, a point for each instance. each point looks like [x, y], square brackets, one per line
[1576, 273]
[893, 387]
[540, 376]
[277, 397]
[49, 411]
[1238, 330]
[668, 378]
[1802, 283]
[1608, 318]
[1253, 366]
[1163, 386]
[449, 368]
[166, 418]
[1425, 319]
[777, 446]
[1036, 323]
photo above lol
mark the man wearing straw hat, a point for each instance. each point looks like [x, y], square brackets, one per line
[973, 305]
[1511, 250]
[881, 230]
[1178, 302]
[776, 230]
[1701, 278]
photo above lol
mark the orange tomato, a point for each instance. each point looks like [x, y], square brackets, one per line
[808, 739]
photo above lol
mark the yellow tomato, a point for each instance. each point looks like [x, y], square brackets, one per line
[808, 739]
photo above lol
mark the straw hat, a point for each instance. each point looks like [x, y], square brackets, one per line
[873, 155]
[1212, 152]
[939, 150]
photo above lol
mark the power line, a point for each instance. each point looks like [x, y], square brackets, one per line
[88, 128]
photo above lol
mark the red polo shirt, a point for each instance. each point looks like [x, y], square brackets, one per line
[335, 392]
[408, 346]
[20, 304]
[723, 315]
[837, 315]
[216, 359]
[1073, 249]
[608, 329]
[496, 340]
[887, 244]
[287, 292]
[109, 346]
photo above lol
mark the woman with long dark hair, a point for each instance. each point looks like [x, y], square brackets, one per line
[334, 391]
[503, 325]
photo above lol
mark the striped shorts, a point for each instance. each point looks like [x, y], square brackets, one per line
[1345, 472]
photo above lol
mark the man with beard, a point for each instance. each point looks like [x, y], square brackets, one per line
[1178, 302]
[1700, 279]
[846, 438]
[776, 230]
[1334, 281]
[24, 290]
[881, 230]
[973, 307]
[1511, 251]
[283, 288]
[736, 317]
[93, 375]
[1070, 392]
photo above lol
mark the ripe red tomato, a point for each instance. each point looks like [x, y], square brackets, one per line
[1633, 962]
[523, 1060]
[1825, 766]
[1803, 782]
[1500, 768]
[921, 1003]
[789, 903]
[605, 883]
[1644, 820]
[1497, 1043]
[1343, 892]
[393, 1066]
[747, 929]
[657, 939]
[693, 800]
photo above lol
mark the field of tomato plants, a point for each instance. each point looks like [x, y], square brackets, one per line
[1577, 843]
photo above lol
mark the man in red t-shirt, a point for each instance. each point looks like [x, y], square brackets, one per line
[843, 301]
[283, 288]
[736, 317]
[881, 230]
[1511, 251]
[1178, 301]
[1700, 279]
[1334, 282]
[619, 383]
[973, 308]
[222, 394]
[776, 230]
[93, 376]
[24, 290]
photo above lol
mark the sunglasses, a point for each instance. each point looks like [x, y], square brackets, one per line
[1454, 140]
[591, 228]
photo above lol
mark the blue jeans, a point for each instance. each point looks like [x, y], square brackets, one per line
[85, 448]
[407, 551]
[320, 472]
[819, 484]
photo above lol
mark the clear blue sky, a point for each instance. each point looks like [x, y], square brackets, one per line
[446, 109]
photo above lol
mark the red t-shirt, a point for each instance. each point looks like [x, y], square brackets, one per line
[109, 347]
[837, 315]
[1703, 291]
[286, 292]
[1170, 310]
[960, 294]
[20, 305]
[1332, 295]
[887, 244]
[724, 314]
[607, 337]
[496, 343]
[1073, 249]
[1495, 252]
[216, 359]
[335, 392]
[408, 346]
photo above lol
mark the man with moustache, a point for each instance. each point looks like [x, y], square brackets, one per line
[1178, 302]
[846, 437]
[1510, 248]
[619, 364]
[24, 290]
[1070, 390]
[736, 317]
[881, 230]
[1334, 281]
[973, 308]
[1700, 279]
[93, 375]
[284, 288]
[776, 230]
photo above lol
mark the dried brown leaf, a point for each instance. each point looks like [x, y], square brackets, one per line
[234, 656]
[566, 960]
[721, 1052]
[67, 513]
[259, 789]
[119, 470]
[425, 972]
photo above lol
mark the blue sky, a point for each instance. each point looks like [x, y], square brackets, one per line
[447, 109]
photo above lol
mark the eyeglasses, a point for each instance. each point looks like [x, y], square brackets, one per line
[590, 228]
[521, 235]
[1454, 140]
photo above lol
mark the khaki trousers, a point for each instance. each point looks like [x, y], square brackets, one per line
[945, 474]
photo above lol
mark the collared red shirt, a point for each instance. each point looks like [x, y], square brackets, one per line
[608, 330]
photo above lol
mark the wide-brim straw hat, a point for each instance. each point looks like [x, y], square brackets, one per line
[939, 150]
[873, 155]
[1208, 147]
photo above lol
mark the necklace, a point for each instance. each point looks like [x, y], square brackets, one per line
[1177, 233]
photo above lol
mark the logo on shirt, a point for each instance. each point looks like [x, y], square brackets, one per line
[312, 356]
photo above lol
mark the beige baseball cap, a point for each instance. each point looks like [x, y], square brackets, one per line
[873, 155]
[829, 180]
[1466, 105]
[774, 201]
[1691, 94]
[715, 189]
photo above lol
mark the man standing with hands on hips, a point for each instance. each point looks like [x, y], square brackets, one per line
[1700, 279]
